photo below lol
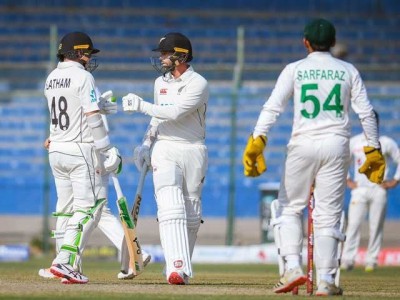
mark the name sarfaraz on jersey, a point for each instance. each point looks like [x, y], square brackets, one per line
[58, 83]
[319, 74]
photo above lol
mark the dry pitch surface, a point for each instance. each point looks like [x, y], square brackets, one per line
[20, 281]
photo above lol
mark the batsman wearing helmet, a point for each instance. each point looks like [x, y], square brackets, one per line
[176, 136]
[322, 88]
[78, 136]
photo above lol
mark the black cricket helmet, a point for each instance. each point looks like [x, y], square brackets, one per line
[76, 44]
[178, 45]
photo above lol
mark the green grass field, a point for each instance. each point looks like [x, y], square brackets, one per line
[20, 281]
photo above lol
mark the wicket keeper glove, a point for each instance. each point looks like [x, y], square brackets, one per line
[374, 166]
[107, 103]
[253, 158]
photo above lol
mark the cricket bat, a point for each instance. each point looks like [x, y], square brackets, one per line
[138, 195]
[130, 236]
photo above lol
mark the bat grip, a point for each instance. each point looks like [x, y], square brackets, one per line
[117, 185]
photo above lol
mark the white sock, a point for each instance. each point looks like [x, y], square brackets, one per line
[292, 261]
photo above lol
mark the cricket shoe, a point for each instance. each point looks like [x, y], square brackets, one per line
[347, 266]
[290, 279]
[370, 268]
[129, 275]
[328, 289]
[45, 273]
[178, 278]
[66, 271]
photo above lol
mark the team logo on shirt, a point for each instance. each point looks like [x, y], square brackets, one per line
[93, 96]
[163, 91]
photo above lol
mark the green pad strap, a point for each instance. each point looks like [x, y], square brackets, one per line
[60, 214]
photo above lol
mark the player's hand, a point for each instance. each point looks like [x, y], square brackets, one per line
[253, 158]
[389, 184]
[374, 166]
[113, 161]
[108, 103]
[132, 103]
[141, 155]
[46, 144]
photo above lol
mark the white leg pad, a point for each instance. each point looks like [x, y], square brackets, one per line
[291, 235]
[326, 249]
[173, 230]
[78, 230]
[275, 222]
[193, 214]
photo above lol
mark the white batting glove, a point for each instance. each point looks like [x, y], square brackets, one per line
[113, 161]
[132, 103]
[108, 103]
[141, 155]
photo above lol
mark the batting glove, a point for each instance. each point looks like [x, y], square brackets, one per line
[253, 158]
[374, 166]
[132, 103]
[113, 161]
[141, 155]
[108, 103]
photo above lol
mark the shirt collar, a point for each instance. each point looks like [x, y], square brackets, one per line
[319, 54]
[69, 64]
[185, 76]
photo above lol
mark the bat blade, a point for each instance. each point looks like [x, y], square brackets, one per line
[131, 238]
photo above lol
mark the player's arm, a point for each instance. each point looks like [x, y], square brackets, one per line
[394, 152]
[253, 160]
[113, 162]
[195, 96]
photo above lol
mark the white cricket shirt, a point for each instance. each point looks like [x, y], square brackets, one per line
[322, 88]
[179, 108]
[70, 92]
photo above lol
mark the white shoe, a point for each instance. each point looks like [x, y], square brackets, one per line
[129, 275]
[66, 271]
[370, 268]
[328, 289]
[290, 279]
[124, 275]
[45, 273]
[178, 278]
[346, 266]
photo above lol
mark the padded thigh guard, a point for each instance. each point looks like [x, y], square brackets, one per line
[173, 229]
[193, 217]
[77, 233]
[326, 249]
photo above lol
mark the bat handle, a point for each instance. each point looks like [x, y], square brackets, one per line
[143, 173]
[117, 185]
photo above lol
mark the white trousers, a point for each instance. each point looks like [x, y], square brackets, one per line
[178, 174]
[323, 163]
[73, 166]
[371, 201]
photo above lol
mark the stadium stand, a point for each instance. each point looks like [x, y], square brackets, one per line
[126, 34]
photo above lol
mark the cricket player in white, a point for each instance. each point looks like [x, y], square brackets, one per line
[77, 134]
[368, 197]
[176, 136]
[322, 88]
[108, 223]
